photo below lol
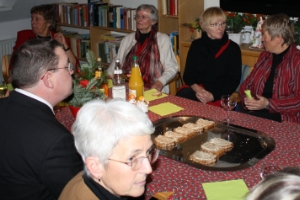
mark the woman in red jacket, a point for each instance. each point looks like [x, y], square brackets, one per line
[43, 24]
[275, 80]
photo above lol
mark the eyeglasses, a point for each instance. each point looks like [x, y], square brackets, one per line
[70, 68]
[216, 25]
[136, 17]
[137, 163]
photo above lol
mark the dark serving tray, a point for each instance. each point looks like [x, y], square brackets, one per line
[249, 145]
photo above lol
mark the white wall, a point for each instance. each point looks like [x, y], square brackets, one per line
[9, 29]
[210, 3]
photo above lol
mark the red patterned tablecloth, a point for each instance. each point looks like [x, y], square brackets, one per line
[186, 181]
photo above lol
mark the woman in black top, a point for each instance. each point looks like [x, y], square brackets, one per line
[213, 65]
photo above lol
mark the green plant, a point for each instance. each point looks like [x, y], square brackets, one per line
[250, 19]
[86, 86]
[297, 32]
[193, 26]
[235, 22]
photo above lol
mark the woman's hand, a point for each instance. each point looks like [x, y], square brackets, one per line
[61, 39]
[203, 95]
[256, 104]
[158, 86]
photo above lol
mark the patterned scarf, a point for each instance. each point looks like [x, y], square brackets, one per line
[149, 59]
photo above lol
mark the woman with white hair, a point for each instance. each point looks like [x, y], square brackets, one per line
[282, 185]
[114, 141]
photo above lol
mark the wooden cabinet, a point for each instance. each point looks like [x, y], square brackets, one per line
[249, 56]
[187, 11]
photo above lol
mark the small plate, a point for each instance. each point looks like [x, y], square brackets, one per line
[250, 146]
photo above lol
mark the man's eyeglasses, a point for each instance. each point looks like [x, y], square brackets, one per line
[70, 68]
[136, 17]
[216, 25]
[137, 163]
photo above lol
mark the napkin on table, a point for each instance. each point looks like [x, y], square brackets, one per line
[149, 97]
[233, 190]
[165, 108]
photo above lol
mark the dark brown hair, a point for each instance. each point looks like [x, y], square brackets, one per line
[48, 12]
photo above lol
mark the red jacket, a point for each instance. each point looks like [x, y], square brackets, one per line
[25, 35]
[286, 88]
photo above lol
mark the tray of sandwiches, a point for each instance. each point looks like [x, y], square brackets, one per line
[209, 144]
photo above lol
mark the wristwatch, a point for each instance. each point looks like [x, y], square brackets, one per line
[268, 105]
[66, 49]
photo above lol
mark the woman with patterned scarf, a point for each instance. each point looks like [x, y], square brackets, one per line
[154, 50]
[213, 65]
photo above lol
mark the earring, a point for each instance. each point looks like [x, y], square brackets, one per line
[99, 179]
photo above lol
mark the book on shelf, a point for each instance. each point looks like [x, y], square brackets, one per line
[112, 37]
[169, 7]
[174, 39]
[164, 7]
[79, 44]
[108, 50]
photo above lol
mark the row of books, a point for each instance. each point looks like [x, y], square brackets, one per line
[169, 7]
[80, 43]
[96, 13]
[72, 13]
[114, 16]
[174, 37]
[108, 50]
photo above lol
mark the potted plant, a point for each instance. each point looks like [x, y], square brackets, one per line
[86, 86]
[194, 28]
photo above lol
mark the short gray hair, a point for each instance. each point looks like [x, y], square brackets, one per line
[153, 11]
[280, 25]
[31, 60]
[277, 186]
[100, 125]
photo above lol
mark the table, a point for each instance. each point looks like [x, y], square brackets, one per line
[186, 181]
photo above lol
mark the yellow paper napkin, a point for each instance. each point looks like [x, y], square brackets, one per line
[233, 190]
[149, 97]
[165, 108]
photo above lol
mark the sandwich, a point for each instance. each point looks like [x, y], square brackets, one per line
[226, 145]
[163, 142]
[212, 148]
[203, 158]
[178, 137]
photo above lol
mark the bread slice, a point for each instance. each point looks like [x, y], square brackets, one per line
[212, 148]
[195, 127]
[226, 145]
[203, 158]
[185, 131]
[207, 123]
[178, 137]
[163, 142]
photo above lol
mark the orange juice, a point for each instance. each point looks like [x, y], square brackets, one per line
[136, 83]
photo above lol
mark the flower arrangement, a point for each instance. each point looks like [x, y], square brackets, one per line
[193, 26]
[236, 21]
[86, 86]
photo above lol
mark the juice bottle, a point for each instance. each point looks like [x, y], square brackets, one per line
[136, 83]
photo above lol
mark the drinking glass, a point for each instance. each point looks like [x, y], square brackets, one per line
[3, 88]
[228, 103]
[268, 168]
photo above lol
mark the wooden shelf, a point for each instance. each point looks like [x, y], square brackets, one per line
[188, 10]
[73, 26]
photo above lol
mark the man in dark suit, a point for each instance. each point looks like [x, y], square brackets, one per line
[37, 153]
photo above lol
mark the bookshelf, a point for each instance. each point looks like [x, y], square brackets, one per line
[95, 33]
[187, 11]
